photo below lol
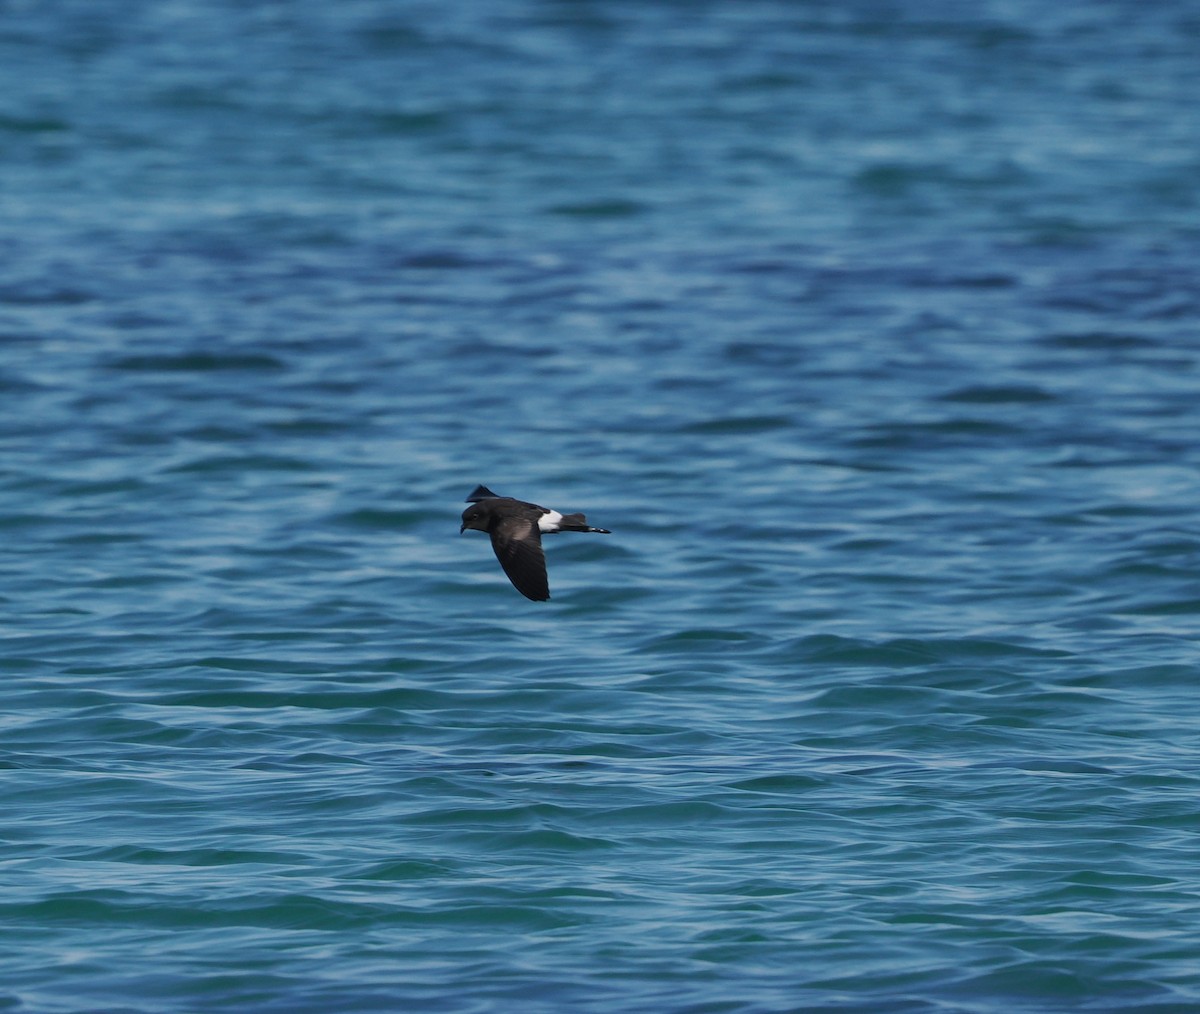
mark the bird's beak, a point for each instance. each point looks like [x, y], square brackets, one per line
[462, 529]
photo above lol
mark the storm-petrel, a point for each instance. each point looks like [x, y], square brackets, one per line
[516, 529]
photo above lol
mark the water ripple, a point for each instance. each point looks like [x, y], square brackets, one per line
[870, 338]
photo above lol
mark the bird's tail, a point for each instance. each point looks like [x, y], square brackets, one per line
[578, 523]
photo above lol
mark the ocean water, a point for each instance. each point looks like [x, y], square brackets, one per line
[871, 331]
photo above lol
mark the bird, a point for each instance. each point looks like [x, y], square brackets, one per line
[516, 529]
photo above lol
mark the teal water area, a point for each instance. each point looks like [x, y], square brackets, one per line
[870, 330]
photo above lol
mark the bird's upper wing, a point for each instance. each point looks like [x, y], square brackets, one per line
[518, 547]
[482, 493]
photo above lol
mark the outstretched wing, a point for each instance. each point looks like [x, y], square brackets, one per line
[482, 493]
[518, 547]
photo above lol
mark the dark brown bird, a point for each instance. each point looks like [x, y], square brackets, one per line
[516, 529]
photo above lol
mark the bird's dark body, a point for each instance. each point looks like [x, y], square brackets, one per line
[516, 528]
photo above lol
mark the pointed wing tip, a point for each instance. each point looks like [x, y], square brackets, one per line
[530, 588]
[481, 493]
[532, 585]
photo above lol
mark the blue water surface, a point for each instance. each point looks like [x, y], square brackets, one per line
[870, 330]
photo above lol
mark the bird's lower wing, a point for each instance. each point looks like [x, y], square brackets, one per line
[518, 547]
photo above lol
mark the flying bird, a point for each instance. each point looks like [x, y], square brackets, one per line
[516, 529]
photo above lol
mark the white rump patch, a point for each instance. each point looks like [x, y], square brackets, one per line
[549, 521]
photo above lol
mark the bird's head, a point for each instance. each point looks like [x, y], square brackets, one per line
[475, 518]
